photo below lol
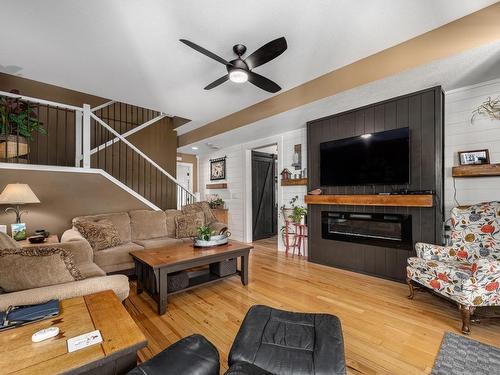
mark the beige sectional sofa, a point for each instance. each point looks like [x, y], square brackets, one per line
[139, 230]
[95, 280]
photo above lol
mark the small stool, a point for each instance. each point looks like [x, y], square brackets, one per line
[191, 355]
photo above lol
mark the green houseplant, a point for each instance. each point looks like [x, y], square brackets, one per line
[18, 123]
[216, 202]
[204, 233]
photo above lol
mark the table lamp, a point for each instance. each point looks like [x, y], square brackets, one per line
[18, 194]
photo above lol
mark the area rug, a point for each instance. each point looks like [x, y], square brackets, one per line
[460, 355]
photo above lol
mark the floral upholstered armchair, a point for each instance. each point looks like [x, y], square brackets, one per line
[468, 271]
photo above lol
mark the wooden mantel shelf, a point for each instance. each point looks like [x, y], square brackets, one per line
[424, 200]
[484, 170]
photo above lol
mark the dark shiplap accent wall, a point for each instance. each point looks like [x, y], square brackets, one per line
[422, 112]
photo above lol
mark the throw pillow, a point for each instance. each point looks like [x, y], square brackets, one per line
[35, 267]
[101, 234]
[200, 207]
[170, 221]
[148, 224]
[187, 225]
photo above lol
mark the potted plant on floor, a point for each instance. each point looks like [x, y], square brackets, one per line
[18, 123]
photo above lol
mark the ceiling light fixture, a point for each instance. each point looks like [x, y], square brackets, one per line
[365, 136]
[194, 148]
[238, 75]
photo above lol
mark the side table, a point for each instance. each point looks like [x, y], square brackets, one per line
[52, 239]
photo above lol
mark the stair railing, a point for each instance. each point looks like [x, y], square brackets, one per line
[74, 124]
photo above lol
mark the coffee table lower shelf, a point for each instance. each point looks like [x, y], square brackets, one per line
[204, 279]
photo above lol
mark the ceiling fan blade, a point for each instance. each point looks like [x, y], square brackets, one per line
[217, 82]
[263, 82]
[204, 51]
[266, 53]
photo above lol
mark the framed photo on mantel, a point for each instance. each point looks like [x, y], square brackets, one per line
[218, 169]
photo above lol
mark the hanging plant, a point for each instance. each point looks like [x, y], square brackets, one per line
[490, 108]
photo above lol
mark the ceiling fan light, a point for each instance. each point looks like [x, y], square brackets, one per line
[238, 75]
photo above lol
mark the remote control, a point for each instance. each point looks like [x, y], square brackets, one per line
[45, 334]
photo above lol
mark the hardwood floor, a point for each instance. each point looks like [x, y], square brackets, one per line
[384, 332]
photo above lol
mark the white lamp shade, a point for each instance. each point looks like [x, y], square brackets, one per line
[18, 194]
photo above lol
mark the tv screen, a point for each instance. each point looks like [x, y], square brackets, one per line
[369, 159]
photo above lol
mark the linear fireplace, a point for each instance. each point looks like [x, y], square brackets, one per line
[389, 230]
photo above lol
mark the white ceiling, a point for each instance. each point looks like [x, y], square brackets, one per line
[128, 50]
[468, 68]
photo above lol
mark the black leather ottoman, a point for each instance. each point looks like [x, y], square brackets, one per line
[193, 355]
[282, 343]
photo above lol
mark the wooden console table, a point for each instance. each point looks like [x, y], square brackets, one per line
[153, 266]
[117, 354]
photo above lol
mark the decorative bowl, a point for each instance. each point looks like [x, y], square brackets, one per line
[36, 239]
[218, 240]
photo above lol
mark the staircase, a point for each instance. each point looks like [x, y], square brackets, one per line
[88, 138]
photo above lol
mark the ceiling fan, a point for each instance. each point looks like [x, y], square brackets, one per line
[240, 70]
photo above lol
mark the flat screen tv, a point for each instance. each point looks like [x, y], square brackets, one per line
[371, 159]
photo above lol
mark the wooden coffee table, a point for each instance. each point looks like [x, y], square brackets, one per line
[153, 266]
[117, 354]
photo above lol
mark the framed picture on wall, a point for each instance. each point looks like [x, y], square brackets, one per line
[474, 157]
[218, 169]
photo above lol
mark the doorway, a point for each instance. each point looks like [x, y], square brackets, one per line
[264, 193]
[185, 179]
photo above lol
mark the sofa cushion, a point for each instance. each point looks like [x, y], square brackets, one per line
[7, 242]
[121, 221]
[117, 283]
[158, 242]
[116, 255]
[146, 224]
[101, 234]
[170, 221]
[187, 224]
[34, 267]
[204, 207]
[90, 269]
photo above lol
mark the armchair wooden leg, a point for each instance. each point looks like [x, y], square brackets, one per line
[466, 312]
[412, 289]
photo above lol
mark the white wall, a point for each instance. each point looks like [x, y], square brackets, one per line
[238, 171]
[461, 135]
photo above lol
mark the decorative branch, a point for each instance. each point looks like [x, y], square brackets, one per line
[490, 108]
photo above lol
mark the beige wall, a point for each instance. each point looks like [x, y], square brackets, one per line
[191, 159]
[64, 195]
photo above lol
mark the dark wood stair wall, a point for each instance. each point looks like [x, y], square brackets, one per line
[422, 112]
